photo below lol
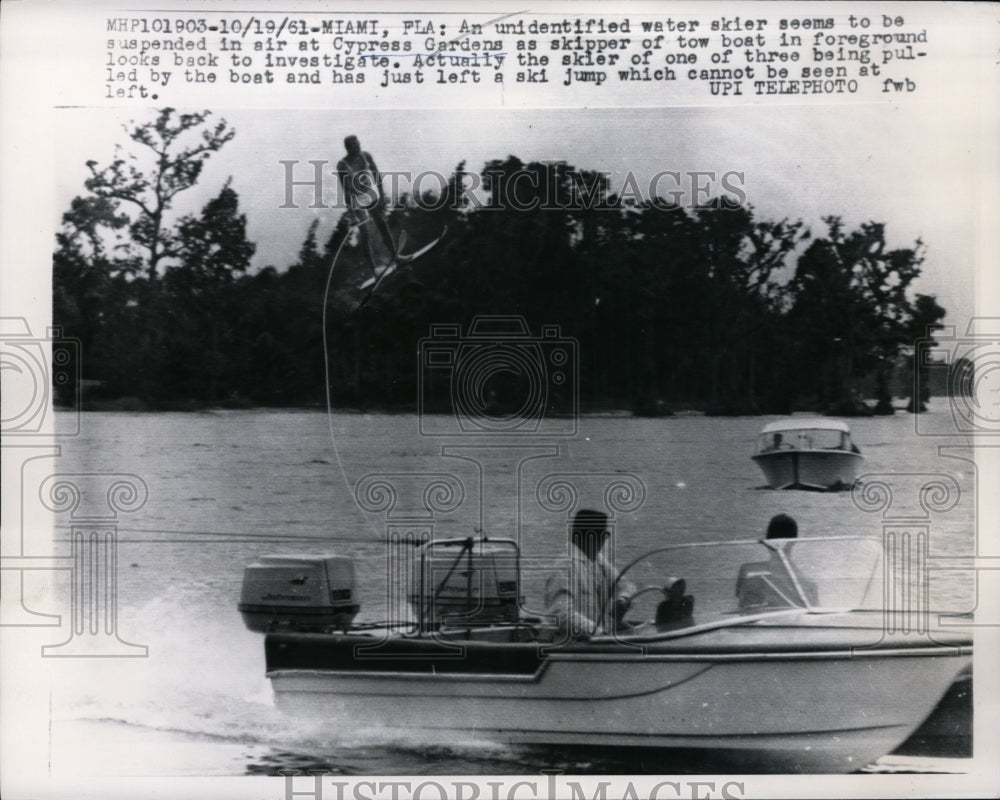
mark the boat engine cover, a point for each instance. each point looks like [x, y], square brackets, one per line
[301, 592]
[474, 586]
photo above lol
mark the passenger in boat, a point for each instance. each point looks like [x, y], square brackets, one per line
[777, 443]
[362, 185]
[782, 526]
[586, 599]
[770, 584]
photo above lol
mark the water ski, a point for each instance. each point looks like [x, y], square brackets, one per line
[398, 260]
[388, 269]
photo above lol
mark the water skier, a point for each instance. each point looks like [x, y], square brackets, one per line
[362, 185]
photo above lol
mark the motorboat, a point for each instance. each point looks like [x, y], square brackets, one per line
[772, 655]
[807, 453]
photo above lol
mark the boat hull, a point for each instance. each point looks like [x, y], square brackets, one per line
[733, 696]
[809, 469]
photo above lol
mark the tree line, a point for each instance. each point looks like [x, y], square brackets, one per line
[701, 307]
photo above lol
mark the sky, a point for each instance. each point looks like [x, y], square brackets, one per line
[912, 166]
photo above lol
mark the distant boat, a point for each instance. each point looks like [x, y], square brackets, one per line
[807, 453]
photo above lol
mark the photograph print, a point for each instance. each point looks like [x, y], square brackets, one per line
[602, 442]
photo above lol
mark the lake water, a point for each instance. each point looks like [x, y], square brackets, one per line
[227, 486]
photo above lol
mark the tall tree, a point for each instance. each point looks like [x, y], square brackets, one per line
[852, 309]
[149, 192]
[924, 316]
[116, 241]
[741, 257]
[214, 251]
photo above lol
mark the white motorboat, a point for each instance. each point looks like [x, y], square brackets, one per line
[807, 453]
[770, 655]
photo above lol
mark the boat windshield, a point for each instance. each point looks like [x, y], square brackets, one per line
[804, 439]
[734, 578]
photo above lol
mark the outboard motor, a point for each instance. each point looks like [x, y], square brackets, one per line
[304, 593]
[465, 582]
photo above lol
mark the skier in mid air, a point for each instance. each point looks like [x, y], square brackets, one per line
[362, 185]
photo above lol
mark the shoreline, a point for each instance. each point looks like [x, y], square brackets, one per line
[136, 406]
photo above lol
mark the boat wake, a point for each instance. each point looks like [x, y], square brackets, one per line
[379, 753]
